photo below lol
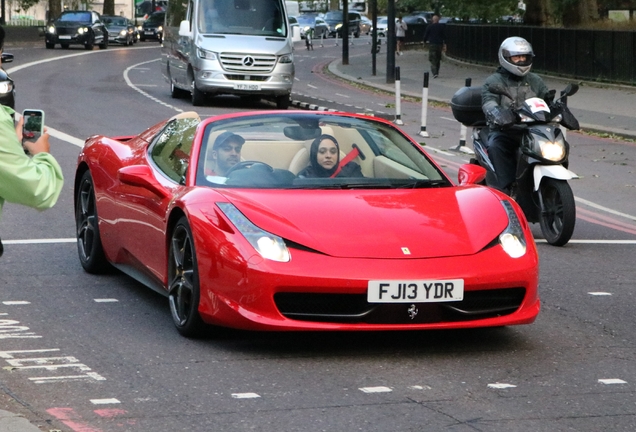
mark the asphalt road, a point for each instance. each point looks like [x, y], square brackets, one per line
[99, 354]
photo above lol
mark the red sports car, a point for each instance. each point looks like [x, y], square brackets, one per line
[296, 220]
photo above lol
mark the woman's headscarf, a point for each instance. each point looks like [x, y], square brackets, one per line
[316, 169]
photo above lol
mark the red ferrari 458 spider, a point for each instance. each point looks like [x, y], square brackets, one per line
[295, 220]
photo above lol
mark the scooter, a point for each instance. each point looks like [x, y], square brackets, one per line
[541, 188]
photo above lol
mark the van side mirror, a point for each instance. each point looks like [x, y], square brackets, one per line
[184, 28]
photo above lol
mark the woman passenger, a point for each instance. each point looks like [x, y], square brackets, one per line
[324, 160]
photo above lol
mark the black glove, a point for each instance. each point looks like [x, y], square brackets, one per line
[502, 117]
[549, 97]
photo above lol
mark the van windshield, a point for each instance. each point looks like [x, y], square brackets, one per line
[244, 17]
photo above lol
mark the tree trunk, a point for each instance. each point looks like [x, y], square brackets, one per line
[581, 12]
[55, 9]
[538, 12]
[109, 7]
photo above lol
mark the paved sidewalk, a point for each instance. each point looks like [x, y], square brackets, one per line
[602, 108]
[10, 422]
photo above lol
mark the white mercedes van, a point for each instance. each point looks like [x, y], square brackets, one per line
[240, 47]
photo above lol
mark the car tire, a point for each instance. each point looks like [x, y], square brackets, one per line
[91, 43]
[176, 92]
[198, 97]
[89, 243]
[183, 281]
[104, 43]
[283, 102]
[50, 45]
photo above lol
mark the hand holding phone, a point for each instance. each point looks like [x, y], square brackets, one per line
[33, 125]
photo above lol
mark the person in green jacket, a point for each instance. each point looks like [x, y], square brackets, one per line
[35, 181]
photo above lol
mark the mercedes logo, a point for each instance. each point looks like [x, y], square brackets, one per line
[248, 61]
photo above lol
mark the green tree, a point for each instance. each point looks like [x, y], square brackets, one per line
[109, 7]
[26, 4]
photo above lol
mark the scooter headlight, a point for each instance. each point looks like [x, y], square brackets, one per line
[512, 239]
[552, 150]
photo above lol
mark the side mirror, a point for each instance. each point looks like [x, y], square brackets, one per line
[7, 58]
[141, 176]
[184, 28]
[471, 174]
[571, 89]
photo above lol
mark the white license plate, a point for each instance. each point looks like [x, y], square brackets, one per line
[149, 32]
[64, 36]
[421, 291]
[251, 87]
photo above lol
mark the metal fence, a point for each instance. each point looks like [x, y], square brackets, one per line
[596, 55]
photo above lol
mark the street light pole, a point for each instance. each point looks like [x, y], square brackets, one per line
[390, 43]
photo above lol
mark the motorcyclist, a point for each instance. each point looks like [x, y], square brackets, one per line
[515, 58]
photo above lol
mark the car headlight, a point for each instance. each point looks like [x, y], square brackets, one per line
[82, 30]
[512, 239]
[6, 87]
[123, 33]
[306, 29]
[338, 26]
[207, 55]
[51, 29]
[552, 150]
[286, 58]
[140, 27]
[160, 28]
[268, 245]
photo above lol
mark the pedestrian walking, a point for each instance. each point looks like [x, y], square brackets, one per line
[400, 34]
[434, 37]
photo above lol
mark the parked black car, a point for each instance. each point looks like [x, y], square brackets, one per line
[77, 28]
[153, 27]
[120, 29]
[334, 19]
[7, 87]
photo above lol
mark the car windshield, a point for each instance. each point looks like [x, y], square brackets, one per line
[290, 150]
[114, 21]
[244, 17]
[333, 16]
[156, 18]
[75, 17]
[306, 20]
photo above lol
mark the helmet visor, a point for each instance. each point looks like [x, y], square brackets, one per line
[524, 59]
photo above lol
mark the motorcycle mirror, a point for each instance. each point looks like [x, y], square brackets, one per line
[500, 90]
[571, 89]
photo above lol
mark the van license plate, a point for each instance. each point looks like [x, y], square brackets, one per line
[251, 87]
[421, 291]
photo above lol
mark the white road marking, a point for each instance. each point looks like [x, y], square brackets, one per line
[105, 401]
[245, 395]
[15, 302]
[501, 386]
[600, 293]
[345, 96]
[40, 241]
[313, 87]
[9, 354]
[612, 381]
[378, 389]
[594, 241]
[449, 119]
[106, 300]
[90, 375]
[605, 209]
[140, 91]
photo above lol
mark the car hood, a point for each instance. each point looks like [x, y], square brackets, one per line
[246, 44]
[417, 223]
[71, 24]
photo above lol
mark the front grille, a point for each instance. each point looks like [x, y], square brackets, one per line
[354, 308]
[248, 63]
[247, 77]
[66, 31]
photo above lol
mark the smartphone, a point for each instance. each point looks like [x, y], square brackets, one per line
[33, 126]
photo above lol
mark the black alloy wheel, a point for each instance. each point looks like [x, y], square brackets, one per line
[90, 43]
[558, 212]
[183, 279]
[89, 244]
[104, 43]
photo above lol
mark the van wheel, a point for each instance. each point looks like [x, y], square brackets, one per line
[198, 97]
[283, 102]
[176, 92]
